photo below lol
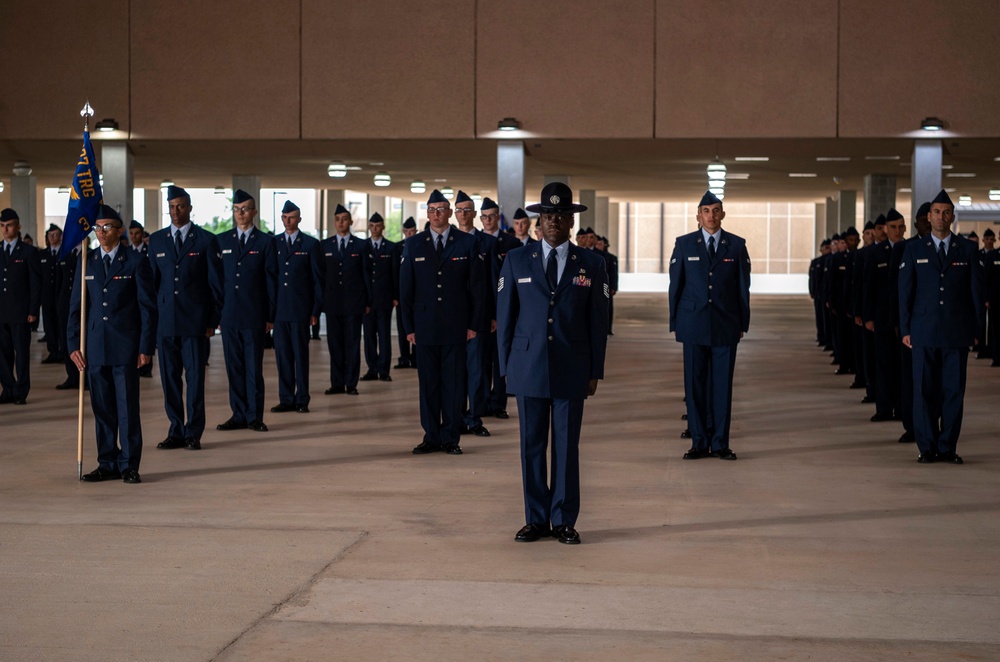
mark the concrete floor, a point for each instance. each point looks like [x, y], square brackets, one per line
[326, 539]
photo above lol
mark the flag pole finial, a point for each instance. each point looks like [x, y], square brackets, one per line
[86, 114]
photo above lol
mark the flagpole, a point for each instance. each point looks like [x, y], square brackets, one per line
[83, 353]
[86, 113]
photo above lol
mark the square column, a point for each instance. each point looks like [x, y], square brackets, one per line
[510, 177]
[118, 170]
[925, 180]
[23, 200]
[588, 198]
[880, 195]
[154, 213]
[601, 216]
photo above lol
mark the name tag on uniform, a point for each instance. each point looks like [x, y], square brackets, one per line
[922, 260]
[694, 258]
[88, 278]
[161, 255]
[329, 254]
[882, 264]
[524, 280]
[227, 251]
[419, 259]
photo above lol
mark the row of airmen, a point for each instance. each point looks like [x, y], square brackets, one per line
[869, 295]
[250, 284]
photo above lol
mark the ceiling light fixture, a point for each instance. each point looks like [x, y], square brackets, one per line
[994, 193]
[337, 170]
[448, 192]
[107, 124]
[752, 159]
[932, 124]
[508, 124]
[166, 183]
[838, 159]
[382, 179]
[717, 191]
[417, 186]
[965, 175]
[802, 175]
[965, 200]
[220, 190]
[1, 186]
[881, 158]
[737, 175]
[21, 169]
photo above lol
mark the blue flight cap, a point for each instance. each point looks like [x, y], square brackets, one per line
[924, 209]
[174, 192]
[376, 218]
[488, 204]
[462, 197]
[941, 199]
[289, 207]
[520, 213]
[341, 209]
[988, 233]
[53, 227]
[871, 226]
[851, 232]
[973, 235]
[240, 196]
[709, 199]
[135, 225]
[9, 214]
[108, 214]
[436, 196]
[893, 215]
[409, 223]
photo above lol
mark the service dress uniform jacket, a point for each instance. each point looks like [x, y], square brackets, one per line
[709, 313]
[188, 287]
[20, 297]
[121, 324]
[55, 327]
[299, 297]
[941, 310]
[478, 369]
[249, 300]
[66, 271]
[345, 297]
[991, 262]
[506, 243]
[877, 307]
[551, 345]
[383, 283]
[407, 357]
[441, 299]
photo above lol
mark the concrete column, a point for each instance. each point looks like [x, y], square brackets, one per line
[510, 177]
[847, 212]
[117, 167]
[614, 211]
[831, 217]
[376, 203]
[819, 225]
[23, 200]
[601, 216]
[411, 208]
[154, 213]
[251, 184]
[331, 198]
[880, 195]
[925, 180]
[588, 198]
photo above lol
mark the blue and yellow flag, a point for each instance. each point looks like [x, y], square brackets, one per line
[85, 199]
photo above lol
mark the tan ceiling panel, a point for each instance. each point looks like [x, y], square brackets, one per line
[746, 69]
[384, 69]
[220, 69]
[566, 68]
[943, 63]
[51, 69]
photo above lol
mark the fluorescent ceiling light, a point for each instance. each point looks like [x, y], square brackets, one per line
[905, 190]
[833, 158]
[716, 167]
[751, 159]
[802, 174]
[417, 187]
[717, 191]
[738, 175]
[881, 158]
[946, 166]
[966, 175]
[965, 200]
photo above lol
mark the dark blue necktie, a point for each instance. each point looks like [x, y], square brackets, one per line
[552, 270]
[711, 247]
[177, 241]
[942, 254]
[243, 241]
[107, 264]
[440, 245]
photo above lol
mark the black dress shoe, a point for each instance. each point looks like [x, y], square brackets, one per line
[131, 476]
[334, 390]
[532, 532]
[501, 413]
[842, 371]
[684, 417]
[452, 449]
[867, 400]
[695, 454]
[995, 364]
[257, 426]
[148, 374]
[425, 448]
[384, 378]
[566, 534]
[369, 377]
[480, 431]
[686, 434]
[856, 384]
[231, 424]
[725, 454]
[99, 474]
[401, 365]
[302, 409]
[192, 444]
[351, 391]
[926, 458]
[907, 438]
[950, 458]
[171, 442]
[67, 386]
[880, 417]
[282, 407]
